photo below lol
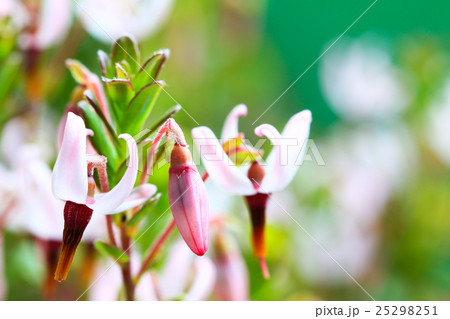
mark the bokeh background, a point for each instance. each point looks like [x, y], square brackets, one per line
[372, 198]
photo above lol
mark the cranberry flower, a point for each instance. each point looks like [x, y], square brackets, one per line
[187, 193]
[261, 179]
[73, 182]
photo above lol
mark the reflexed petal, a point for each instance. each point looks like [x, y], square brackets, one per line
[69, 179]
[230, 129]
[107, 203]
[218, 165]
[138, 196]
[205, 278]
[288, 150]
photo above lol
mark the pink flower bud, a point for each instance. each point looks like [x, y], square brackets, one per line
[188, 200]
[232, 274]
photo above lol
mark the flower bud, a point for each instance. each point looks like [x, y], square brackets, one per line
[188, 200]
[232, 274]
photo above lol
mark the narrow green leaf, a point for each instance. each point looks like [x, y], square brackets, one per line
[112, 133]
[125, 49]
[100, 140]
[144, 211]
[119, 93]
[140, 107]
[111, 251]
[121, 72]
[105, 64]
[151, 69]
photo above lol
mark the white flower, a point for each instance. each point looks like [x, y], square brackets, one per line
[361, 82]
[438, 132]
[106, 20]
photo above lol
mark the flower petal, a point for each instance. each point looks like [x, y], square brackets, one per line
[175, 275]
[289, 148]
[69, 179]
[204, 280]
[138, 196]
[230, 128]
[218, 165]
[108, 203]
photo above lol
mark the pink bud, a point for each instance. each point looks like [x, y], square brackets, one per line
[188, 200]
[232, 274]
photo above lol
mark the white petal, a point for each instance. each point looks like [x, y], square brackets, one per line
[205, 278]
[108, 203]
[175, 275]
[138, 196]
[230, 128]
[69, 179]
[289, 148]
[54, 22]
[218, 165]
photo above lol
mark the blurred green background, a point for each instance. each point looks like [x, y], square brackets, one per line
[383, 175]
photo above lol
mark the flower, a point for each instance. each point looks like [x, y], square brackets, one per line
[360, 82]
[232, 282]
[52, 22]
[72, 181]
[280, 168]
[438, 118]
[108, 19]
[183, 276]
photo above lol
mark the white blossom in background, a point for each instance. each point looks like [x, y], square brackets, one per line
[49, 21]
[15, 12]
[184, 275]
[25, 182]
[364, 167]
[438, 132]
[54, 18]
[106, 20]
[360, 82]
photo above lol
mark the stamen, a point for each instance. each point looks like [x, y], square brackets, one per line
[257, 208]
[76, 219]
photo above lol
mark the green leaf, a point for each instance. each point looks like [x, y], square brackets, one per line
[126, 49]
[101, 115]
[140, 107]
[105, 64]
[111, 251]
[8, 73]
[100, 140]
[121, 72]
[150, 70]
[119, 93]
[143, 212]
